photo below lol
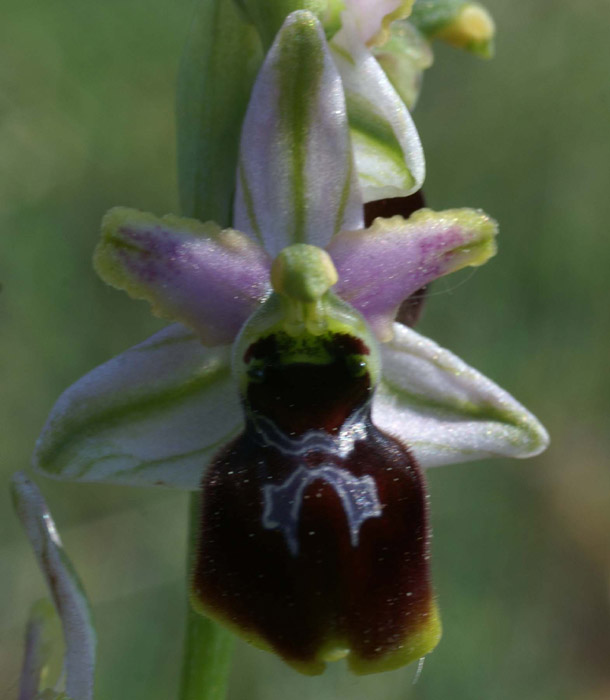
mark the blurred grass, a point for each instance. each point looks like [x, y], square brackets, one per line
[521, 550]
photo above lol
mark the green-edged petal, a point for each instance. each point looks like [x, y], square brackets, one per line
[387, 150]
[295, 179]
[154, 415]
[206, 277]
[64, 585]
[446, 411]
[381, 266]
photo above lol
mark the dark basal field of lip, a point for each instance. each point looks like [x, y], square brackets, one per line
[300, 396]
[368, 595]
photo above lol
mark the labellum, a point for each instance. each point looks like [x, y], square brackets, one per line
[314, 534]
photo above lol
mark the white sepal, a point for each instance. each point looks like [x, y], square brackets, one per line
[154, 415]
[446, 411]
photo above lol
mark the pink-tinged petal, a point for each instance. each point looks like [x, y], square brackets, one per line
[446, 411]
[387, 150]
[208, 278]
[296, 182]
[154, 415]
[64, 586]
[381, 266]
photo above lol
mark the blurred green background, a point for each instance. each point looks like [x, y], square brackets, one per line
[521, 549]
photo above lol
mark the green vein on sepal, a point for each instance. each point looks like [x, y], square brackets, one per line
[139, 466]
[374, 137]
[300, 67]
[482, 412]
[64, 437]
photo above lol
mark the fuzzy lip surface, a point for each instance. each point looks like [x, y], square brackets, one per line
[294, 521]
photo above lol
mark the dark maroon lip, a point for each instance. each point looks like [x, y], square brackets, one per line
[300, 576]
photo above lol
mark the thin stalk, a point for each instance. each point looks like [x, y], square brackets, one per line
[206, 659]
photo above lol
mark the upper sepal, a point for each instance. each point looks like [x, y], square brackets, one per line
[154, 415]
[208, 278]
[446, 411]
[295, 181]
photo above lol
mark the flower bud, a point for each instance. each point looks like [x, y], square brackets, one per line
[465, 25]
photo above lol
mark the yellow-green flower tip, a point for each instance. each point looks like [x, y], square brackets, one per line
[423, 639]
[473, 29]
[303, 273]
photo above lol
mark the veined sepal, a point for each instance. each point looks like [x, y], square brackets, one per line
[153, 416]
[445, 410]
[296, 182]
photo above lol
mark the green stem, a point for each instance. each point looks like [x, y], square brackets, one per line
[207, 650]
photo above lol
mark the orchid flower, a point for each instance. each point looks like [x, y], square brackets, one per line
[70, 603]
[286, 391]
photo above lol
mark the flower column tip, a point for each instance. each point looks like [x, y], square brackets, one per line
[302, 274]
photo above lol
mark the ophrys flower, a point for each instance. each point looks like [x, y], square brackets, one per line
[314, 537]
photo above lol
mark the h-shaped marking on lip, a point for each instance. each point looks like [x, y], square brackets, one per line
[282, 506]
